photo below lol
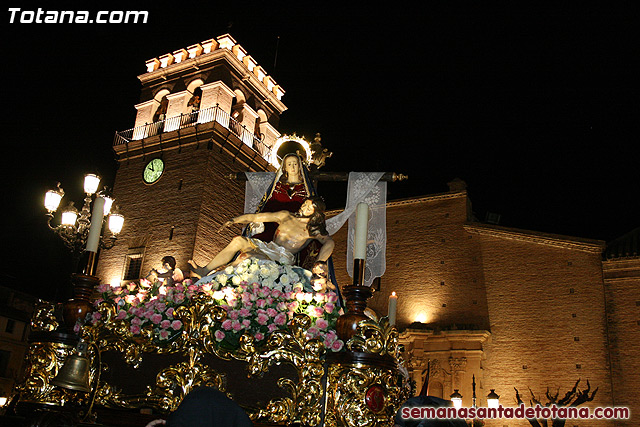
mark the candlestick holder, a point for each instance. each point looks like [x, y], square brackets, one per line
[355, 297]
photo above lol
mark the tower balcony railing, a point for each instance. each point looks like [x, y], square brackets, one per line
[207, 115]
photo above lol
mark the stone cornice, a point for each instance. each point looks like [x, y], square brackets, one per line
[202, 60]
[415, 200]
[559, 241]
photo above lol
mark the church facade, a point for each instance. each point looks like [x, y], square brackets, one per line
[502, 307]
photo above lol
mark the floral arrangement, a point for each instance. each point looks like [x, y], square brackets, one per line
[259, 296]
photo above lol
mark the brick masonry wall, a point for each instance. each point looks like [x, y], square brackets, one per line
[189, 197]
[433, 264]
[546, 307]
[622, 284]
[526, 293]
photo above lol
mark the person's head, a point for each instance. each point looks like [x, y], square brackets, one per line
[170, 261]
[313, 208]
[291, 169]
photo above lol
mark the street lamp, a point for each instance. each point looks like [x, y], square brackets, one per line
[493, 400]
[456, 398]
[75, 227]
[82, 233]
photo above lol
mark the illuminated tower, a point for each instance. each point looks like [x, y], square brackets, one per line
[205, 112]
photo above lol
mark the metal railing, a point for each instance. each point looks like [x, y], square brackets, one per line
[191, 119]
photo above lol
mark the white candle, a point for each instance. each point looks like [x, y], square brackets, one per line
[96, 225]
[362, 228]
[393, 302]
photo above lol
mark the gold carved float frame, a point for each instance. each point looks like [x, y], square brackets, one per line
[332, 389]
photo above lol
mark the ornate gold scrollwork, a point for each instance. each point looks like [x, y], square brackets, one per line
[347, 383]
[372, 366]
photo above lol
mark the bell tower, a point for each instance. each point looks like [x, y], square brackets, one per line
[206, 111]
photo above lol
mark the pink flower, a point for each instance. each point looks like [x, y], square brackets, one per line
[332, 297]
[117, 290]
[169, 312]
[259, 336]
[271, 312]
[236, 326]
[131, 287]
[136, 321]
[164, 334]
[233, 314]
[276, 293]
[271, 327]
[312, 332]
[282, 306]
[262, 319]
[219, 335]
[135, 329]
[337, 345]
[322, 323]
[176, 325]
[329, 307]
[121, 315]
[156, 318]
[244, 312]
[246, 323]
[178, 298]
[226, 325]
[104, 287]
[280, 319]
[165, 324]
[261, 303]
[76, 327]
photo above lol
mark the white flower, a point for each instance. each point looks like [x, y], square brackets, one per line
[268, 283]
[222, 278]
[284, 279]
[236, 280]
[229, 270]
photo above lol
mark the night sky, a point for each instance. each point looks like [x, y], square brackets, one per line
[537, 110]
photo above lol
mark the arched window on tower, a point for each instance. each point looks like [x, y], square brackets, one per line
[190, 115]
[236, 113]
[160, 114]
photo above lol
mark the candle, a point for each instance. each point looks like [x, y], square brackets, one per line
[362, 224]
[393, 302]
[96, 225]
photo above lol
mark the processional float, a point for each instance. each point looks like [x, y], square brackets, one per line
[348, 367]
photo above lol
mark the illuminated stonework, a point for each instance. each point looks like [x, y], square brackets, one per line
[225, 41]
